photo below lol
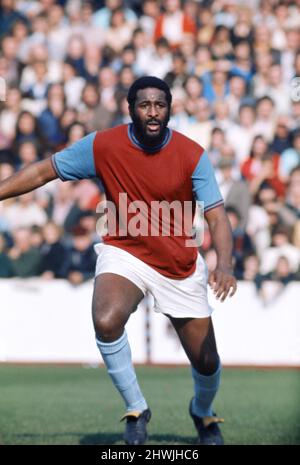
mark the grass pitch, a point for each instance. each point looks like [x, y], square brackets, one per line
[77, 405]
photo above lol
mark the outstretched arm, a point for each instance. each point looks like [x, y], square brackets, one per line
[221, 279]
[28, 179]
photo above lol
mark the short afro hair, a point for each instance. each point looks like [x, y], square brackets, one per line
[148, 81]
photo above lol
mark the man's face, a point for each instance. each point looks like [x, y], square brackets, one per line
[150, 115]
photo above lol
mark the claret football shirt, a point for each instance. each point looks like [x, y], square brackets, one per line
[136, 181]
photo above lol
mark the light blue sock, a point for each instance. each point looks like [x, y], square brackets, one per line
[117, 358]
[205, 388]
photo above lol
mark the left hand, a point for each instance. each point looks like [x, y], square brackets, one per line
[221, 281]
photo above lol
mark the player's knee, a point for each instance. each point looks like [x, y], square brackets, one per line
[208, 363]
[108, 326]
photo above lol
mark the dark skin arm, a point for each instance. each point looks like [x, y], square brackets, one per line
[221, 280]
[28, 179]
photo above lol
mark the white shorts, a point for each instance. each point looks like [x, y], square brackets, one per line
[179, 298]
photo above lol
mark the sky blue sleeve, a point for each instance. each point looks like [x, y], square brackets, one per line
[76, 161]
[205, 186]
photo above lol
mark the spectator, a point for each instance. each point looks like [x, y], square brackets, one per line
[127, 58]
[178, 75]
[242, 244]
[220, 45]
[265, 118]
[236, 95]
[216, 83]
[72, 84]
[288, 54]
[280, 246]
[281, 273]
[193, 87]
[242, 30]
[221, 115]
[276, 89]
[180, 120]
[102, 17]
[241, 135]
[27, 130]
[262, 42]
[9, 48]
[93, 114]
[280, 276]
[27, 153]
[215, 147]
[6, 268]
[282, 137]
[262, 62]
[290, 157]
[76, 131]
[9, 116]
[80, 16]
[147, 20]
[20, 33]
[119, 32]
[63, 202]
[126, 79]
[268, 199]
[39, 88]
[75, 53]
[242, 65]
[187, 48]
[206, 26]
[25, 212]
[290, 212]
[88, 221]
[234, 191]
[226, 13]
[92, 59]
[173, 24]
[58, 33]
[69, 116]
[265, 15]
[9, 16]
[25, 259]
[297, 64]
[295, 115]
[250, 269]
[80, 261]
[160, 61]
[203, 61]
[281, 14]
[201, 128]
[39, 53]
[258, 228]
[53, 252]
[86, 197]
[108, 84]
[262, 167]
[122, 116]
[38, 36]
[49, 122]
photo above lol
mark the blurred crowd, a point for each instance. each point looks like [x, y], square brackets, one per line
[232, 66]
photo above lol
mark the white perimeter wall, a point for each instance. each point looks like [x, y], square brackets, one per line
[51, 322]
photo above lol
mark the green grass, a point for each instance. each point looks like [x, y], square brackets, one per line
[76, 405]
